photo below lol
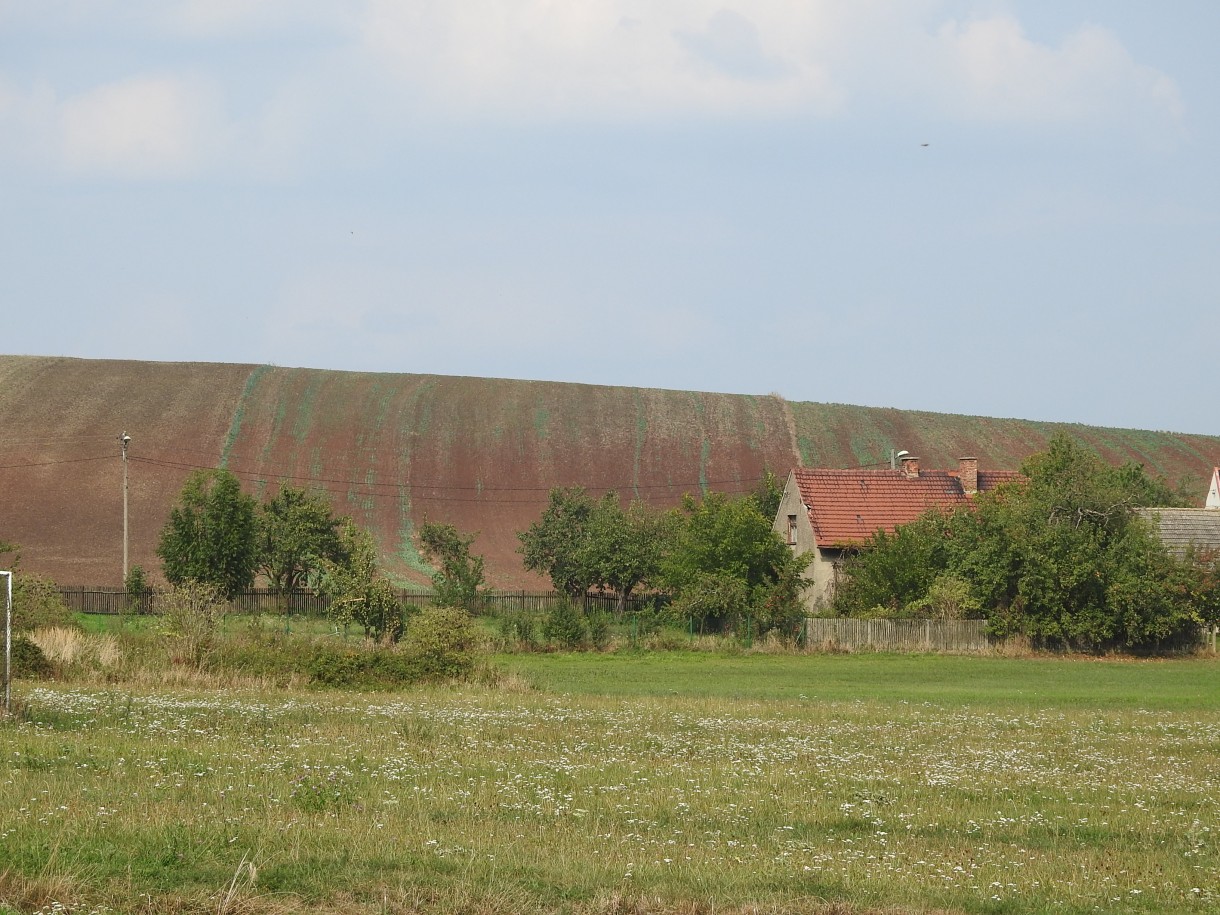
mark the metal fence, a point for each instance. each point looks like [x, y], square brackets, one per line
[114, 601]
[897, 635]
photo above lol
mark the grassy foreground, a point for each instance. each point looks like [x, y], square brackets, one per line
[666, 784]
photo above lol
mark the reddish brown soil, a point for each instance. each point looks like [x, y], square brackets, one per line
[394, 451]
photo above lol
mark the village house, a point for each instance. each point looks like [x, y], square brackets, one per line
[1193, 531]
[830, 513]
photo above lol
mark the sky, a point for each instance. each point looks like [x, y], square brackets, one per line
[1004, 209]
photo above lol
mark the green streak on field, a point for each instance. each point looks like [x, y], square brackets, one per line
[938, 679]
[239, 413]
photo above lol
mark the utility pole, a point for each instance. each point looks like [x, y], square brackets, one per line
[124, 439]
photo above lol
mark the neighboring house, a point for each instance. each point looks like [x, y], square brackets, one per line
[1186, 530]
[829, 513]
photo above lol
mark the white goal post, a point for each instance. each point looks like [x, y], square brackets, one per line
[8, 643]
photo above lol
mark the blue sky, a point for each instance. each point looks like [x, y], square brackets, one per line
[668, 193]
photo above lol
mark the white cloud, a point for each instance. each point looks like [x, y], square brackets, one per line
[230, 18]
[602, 58]
[357, 76]
[146, 126]
[992, 71]
[631, 59]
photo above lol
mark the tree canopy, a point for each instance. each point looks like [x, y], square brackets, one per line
[716, 557]
[296, 534]
[459, 577]
[358, 590]
[1061, 558]
[555, 543]
[211, 535]
[723, 561]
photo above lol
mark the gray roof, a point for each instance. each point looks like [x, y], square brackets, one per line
[1182, 527]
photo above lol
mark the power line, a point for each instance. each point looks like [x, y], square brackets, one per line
[102, 457]
[414, 484]
[414, 488]
[55, 441]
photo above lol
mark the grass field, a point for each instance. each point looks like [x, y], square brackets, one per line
[667, 783]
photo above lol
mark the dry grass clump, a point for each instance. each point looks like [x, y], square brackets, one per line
[66, 647]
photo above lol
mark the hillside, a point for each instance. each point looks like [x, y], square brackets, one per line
[394, 450]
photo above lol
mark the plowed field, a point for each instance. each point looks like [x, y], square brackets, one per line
[395, 450]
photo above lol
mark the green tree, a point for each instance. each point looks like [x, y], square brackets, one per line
[297, 533]
[1061, 558]
[459, 577]
[768, 494]
[556, 544]
[716, 541]
[895, 570]
[211, 535]
[357, 589]
[621, 549]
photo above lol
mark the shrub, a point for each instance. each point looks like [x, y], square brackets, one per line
[519, 630]
[331, 666]
[139, 592]
[442, 643]
[28, 659]
[599, 631]
[193, 611]
[37, 604]
[564, 626]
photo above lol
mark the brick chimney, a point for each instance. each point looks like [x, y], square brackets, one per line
[910, 466]
[968, 473]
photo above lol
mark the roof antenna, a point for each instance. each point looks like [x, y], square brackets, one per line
[895, 457]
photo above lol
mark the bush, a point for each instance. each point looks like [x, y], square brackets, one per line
[564, 626]
[268, 655]
[37, 604]
[139, 592]
[599, 631]
[519, 630]
[193, 611]
[442, 643]
[28, 659]
[332, 666]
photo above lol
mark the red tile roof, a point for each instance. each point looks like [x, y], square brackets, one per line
[846, 507]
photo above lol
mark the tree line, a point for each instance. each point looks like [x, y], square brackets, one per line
[715, 558]
[1062, 558]
[221, 537]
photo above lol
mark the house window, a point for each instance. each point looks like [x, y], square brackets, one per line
[792, 530]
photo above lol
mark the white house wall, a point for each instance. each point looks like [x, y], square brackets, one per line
[821, 572]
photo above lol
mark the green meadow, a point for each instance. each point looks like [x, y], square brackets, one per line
[627, 783]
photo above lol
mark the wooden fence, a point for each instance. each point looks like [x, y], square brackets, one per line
[897, 635]
[114, 601]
